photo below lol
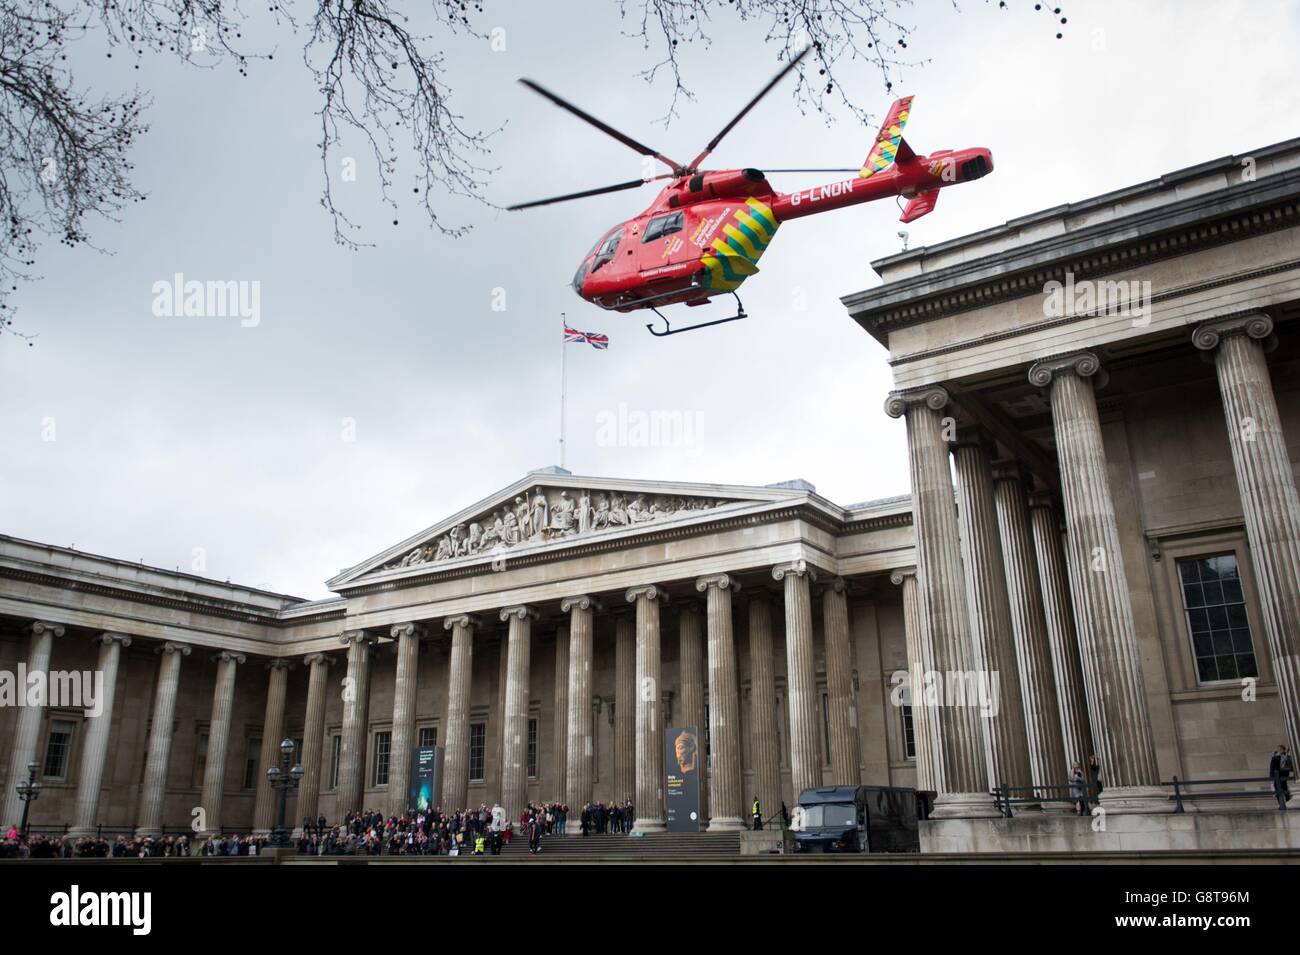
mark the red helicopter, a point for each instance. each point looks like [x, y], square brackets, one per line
[705, 232]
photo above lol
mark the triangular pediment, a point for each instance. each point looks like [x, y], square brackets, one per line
[552, 509]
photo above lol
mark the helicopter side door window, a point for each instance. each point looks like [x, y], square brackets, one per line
[661, 226]
[607, 250]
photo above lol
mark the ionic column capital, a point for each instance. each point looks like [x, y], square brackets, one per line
[721, 581]
[934, 397]
[1085, 364]
[111, 637]
[1207, 335]
[897, 576]
[1008, 471]
[228, 656]
[38, 627]
[799, 568]
[518, 612]
[356, 636]
[649, 592]
[834, 585]
[579, 602]
[1041, 500]
[408, 629]
[462, 620]
[184, 649]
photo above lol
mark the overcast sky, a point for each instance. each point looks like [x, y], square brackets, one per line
[172, 434]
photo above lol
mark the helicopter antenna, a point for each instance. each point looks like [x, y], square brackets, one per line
[713, 143]
[604, 127]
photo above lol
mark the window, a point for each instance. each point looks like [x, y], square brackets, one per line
[660, 226]
[909, 733]
[1216, 618]
[607, 250]
[477, 747]
[336, 754]
[383, 743]
[200, 760]
[58, 749]
[252, 760]
[428, 736]
[532, 749]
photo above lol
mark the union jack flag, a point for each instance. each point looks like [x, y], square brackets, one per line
[594, 339]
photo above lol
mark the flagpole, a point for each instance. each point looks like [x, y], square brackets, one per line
[564, 354]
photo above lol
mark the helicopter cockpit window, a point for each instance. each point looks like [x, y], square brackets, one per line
[661, 226]
[607, 250]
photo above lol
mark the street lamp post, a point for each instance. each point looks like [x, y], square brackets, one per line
[28, 790]
[284, 780]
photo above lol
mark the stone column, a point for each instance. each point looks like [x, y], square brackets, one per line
[455, 768]
[801, 676]
[648, 804]
[514, 743]
[267, 804]
[919, 663]
[27, 732]
[560, 737]
[624, 705]
[94, 747]
[1063, 642]
[158, 760]
[580, 752]
[961, 770]
[725, 799]
[690, 679]
[764, 743]
[1047, 766]
[1111, 662]
[214, 767]
[846, 765]
[356, 718]
[990, 616]
[1269, 500]
[313, 736]
[405, 687]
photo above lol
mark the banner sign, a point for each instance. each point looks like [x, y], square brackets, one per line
[683, 761]
[426, 777]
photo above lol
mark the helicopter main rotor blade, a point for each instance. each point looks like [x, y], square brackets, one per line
[604, 127]
[631, 184]
[713, 143]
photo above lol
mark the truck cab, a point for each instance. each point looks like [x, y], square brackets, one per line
[856, 819]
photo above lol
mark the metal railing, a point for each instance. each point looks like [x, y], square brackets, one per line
[1007, 796]
[1181, 792]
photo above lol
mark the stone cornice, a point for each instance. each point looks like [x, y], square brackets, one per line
[1164, 231]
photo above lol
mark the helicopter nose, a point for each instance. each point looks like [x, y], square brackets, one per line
[580, 276]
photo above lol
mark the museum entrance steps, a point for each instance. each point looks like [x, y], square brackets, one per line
[647, 848]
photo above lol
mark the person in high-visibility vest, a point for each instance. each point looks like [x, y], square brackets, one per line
[758, 814]
[478, 846]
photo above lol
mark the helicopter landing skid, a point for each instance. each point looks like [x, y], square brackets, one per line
[669, 330]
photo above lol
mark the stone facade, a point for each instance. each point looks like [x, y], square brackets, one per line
[1103, 425]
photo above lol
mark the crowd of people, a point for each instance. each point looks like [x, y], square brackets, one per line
[38, 846]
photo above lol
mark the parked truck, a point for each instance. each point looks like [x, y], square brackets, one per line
[856, 819]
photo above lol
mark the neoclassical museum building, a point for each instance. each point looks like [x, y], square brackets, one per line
[1102, 406]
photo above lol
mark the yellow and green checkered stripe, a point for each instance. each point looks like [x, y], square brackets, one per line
[734, 255]
[885, 151]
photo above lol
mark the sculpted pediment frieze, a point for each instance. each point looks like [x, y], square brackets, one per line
[544, 515]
